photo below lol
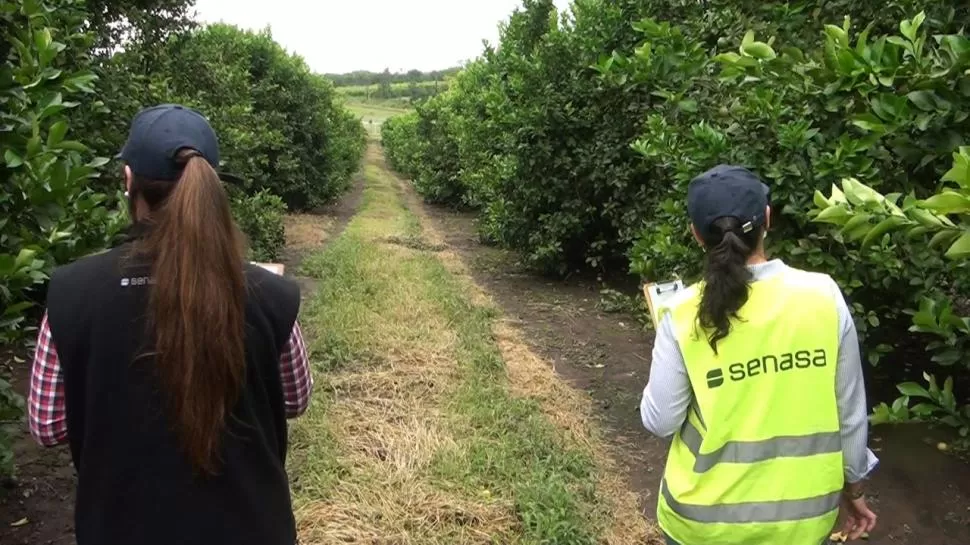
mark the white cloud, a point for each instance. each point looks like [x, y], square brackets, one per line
[337, 36]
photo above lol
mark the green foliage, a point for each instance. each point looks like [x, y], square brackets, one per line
[260, 216]
[48, 212]
[11, 414]
[411, 139]
[941, 223]
[939, 405]
[298, 143]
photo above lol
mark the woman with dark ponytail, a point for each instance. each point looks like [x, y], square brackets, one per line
[169, 364]
[757, 377]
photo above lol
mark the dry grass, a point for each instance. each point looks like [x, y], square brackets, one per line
[419, 433]
[532, 377]
[307, 231]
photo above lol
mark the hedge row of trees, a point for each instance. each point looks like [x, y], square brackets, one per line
[576, 137]
[74, 73]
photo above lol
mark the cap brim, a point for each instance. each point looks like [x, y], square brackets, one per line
[231, 178]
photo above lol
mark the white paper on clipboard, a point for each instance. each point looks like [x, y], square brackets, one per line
[658, 294]
[275, 268]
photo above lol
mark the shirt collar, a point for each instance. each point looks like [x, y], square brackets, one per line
[763, 271]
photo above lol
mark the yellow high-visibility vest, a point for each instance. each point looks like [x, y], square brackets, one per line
[759, 459]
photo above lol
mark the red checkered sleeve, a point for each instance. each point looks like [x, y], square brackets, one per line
[46, 407]
[295, 371]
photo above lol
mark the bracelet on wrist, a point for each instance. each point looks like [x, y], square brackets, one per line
[854, 494]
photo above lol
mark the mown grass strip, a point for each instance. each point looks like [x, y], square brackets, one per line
[413, 435]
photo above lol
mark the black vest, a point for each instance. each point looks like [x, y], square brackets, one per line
[135, 487]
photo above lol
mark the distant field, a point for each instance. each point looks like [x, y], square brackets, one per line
[373, 114]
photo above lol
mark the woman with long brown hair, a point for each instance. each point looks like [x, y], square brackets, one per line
[169, 364]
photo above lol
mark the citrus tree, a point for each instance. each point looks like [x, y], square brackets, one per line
[48, 211]
[941, 222]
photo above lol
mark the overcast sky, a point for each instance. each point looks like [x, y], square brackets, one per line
[337, 36]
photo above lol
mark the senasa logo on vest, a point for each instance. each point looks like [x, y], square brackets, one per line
[136, 281]
[803, 359]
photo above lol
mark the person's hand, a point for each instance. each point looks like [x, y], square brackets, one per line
[859, 519]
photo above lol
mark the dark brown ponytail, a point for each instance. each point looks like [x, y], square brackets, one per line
[726, 277]
[197, 304]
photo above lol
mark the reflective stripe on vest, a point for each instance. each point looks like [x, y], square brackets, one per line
[746, 452]
[764, 466]
[763, 511]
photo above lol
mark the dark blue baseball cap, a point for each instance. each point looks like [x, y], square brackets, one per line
[727, 191]
[159, 133]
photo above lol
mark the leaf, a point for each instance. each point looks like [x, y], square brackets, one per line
[869, 122]
[961, 248]
[837, 34]
[56, 133]
[889, 224]
[82, 82]
[72, 145]
[98, 162]
[924, 100]
[960, 173]
[948, 202]
[759, 50]
[896, 40]
[729, 58]
[24, 257]
[913, 389]
[19, 523]
[923, 409]
[942, 238]
[748, 39]
[12, 159]
[820, 201]
[836, 215]
[909, 29]
[857, 227]
[42, 39]
[858, 219]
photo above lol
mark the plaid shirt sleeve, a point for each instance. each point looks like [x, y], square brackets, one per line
[295, 372]
[46, 407]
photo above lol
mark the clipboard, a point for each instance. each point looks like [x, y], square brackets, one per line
[275, 268]
[658, 293]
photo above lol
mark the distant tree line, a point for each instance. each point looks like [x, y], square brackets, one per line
[365, 78]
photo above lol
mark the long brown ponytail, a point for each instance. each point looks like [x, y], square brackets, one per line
[197, 304]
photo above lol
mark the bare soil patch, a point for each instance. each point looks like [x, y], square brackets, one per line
[37, 507]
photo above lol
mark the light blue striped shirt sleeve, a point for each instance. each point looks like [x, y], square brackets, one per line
[668, 394]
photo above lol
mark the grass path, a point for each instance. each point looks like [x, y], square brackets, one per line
[432, 423]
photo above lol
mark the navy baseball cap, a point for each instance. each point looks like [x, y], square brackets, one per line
[727, 191]
[158, 133]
